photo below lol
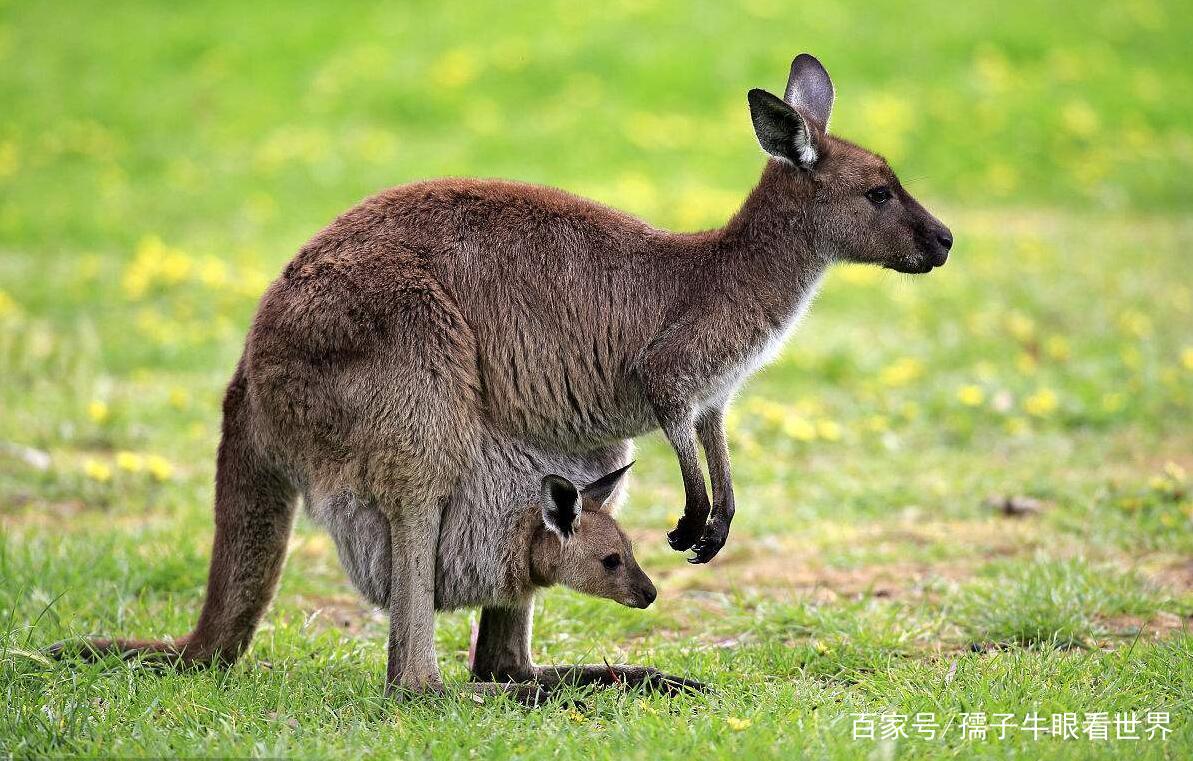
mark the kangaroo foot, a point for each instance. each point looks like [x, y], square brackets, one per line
[623, 676]
[181, 654]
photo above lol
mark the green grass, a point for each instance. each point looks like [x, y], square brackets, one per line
[159, 164]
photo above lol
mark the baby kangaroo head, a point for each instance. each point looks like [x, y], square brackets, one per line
[582, 547]
[853, 204]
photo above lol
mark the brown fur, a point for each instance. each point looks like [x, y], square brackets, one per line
[444, 342]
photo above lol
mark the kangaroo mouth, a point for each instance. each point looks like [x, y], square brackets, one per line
[923, 263]
[918, 267]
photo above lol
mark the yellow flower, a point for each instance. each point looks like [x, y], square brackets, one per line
[154, 262]
[859, 274]
[1020, 326]
[455, 68]
[97, 471]
[739, 725]
[179, 399]
[971, 396]
[1132, 357]
[1017, 426]
[1042, 403]
[1174, 472]
[159, 467]
[637, 192]
[993, 69]
[1187, 357]
[1130, 504]
[213, 273]
[1135, 323]
[828, 430]
[901, 372]
[130, 461]
[1112, 401]
[8, 306]
[10, 160]
[1079, 118]
[799, 429]
[97, 411]
[1001, 177]
[878, 423]
[890, 118]
[174, 267]
[1025, 363]
[1058, 348]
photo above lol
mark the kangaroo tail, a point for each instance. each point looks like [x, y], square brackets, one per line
[254, 512]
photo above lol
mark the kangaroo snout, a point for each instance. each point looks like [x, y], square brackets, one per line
[944, 244]
[643, 596]
[643, 591]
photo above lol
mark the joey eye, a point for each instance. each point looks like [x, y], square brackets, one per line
[611, 562]
[879, 195]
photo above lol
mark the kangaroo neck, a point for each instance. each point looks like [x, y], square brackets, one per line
[766, 254]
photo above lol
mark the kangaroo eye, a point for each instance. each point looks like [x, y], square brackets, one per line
[611, 562]
[878, 196]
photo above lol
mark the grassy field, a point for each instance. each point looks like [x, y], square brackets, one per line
[160, 162]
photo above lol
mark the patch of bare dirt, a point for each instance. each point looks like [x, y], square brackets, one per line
[1176, 575]
[889, 560]
[346, 613]
[1158, 627]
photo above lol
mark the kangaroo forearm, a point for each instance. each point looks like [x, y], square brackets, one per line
[710, 429]
[683, 442]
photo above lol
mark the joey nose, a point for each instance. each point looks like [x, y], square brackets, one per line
[648, 595]
[945, 239]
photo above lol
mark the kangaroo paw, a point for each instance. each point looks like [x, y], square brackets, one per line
[687, 531]
[711, 541]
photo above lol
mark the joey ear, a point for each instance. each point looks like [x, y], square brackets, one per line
[781, 130]
[600, 490]
[561, 506]
[810, 90]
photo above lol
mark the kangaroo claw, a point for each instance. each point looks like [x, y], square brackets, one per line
[711, 542]
[685, 534]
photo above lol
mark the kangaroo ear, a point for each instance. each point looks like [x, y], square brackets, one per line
[561, 506]
[781, 130]
[600, 490]
[810, 90]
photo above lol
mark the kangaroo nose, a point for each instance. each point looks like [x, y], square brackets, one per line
[945, 239]
[649, 594]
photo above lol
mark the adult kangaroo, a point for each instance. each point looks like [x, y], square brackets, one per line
[436, 315]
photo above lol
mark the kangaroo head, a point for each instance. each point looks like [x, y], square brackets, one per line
[851, 203]
[580, 546]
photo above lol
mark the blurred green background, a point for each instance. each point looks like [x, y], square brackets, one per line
[159, 162]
